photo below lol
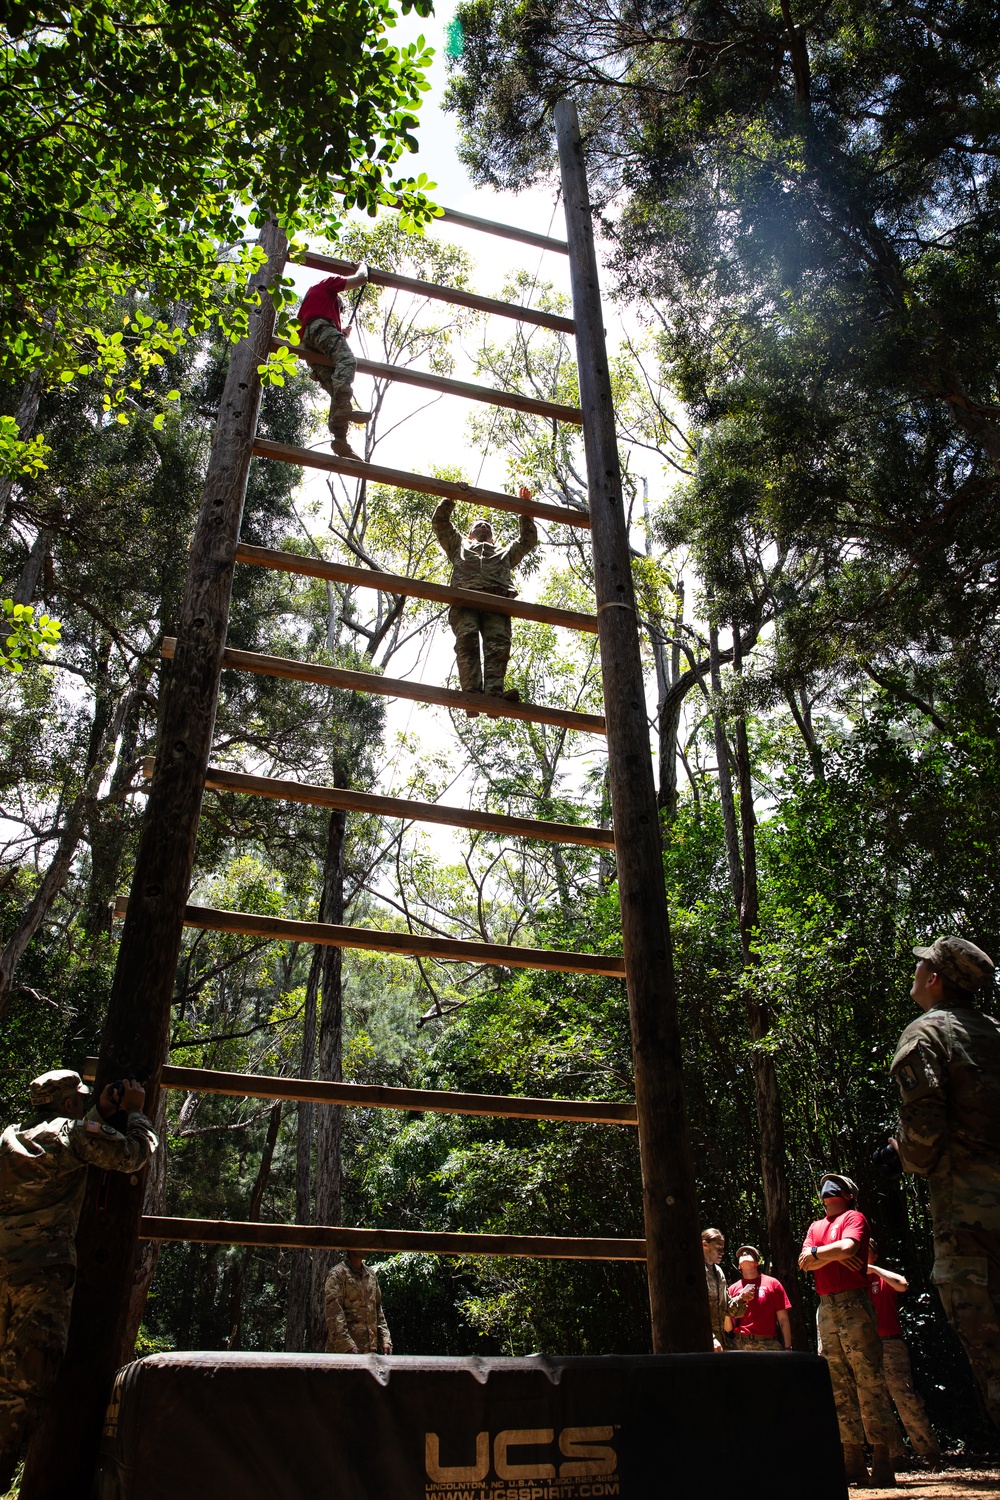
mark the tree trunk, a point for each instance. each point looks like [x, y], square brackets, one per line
[63, 1454]
[108, 826]
[299, 1303]
[253, 1217]
[331, 1053]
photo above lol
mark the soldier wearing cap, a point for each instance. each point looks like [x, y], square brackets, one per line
[42, 1179]
[835, 1251]
[478, 563]
[947, 1069]
[722, 1307]
[765, 1323]
[355, 1320]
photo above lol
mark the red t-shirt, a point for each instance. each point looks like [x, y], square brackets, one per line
[321, 301]
[834, 1276]
[760, 1321]
[885, 1300]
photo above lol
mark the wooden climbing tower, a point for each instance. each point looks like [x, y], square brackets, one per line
[157, 908]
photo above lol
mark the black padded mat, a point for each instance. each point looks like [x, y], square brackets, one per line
[366, 1427]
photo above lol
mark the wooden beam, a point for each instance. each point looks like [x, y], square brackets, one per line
[410, 944]
[509, 399]
[670, 1201]
[413, 588]
[388, 1241]
[397, 687]
[423, 484]
[378, 1096]
[452, 294]
[504, 231]
[369, 804]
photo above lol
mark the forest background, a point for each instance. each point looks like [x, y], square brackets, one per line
[799, 220]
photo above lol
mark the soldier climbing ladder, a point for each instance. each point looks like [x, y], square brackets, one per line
[157, 908]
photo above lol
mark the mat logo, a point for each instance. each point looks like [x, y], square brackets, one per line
[583, 1453]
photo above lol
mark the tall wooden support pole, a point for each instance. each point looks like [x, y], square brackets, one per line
[675, 1267]
[64, 1452]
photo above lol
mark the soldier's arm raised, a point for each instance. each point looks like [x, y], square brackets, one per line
[99, 1144]
[526, 542]
[444, 529]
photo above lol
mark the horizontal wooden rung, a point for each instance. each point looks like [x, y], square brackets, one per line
[412, 588]
[410, 944]
[369, 804]
[504, 231]
[430, 289]
[378, 1096]
[422, 484]
[387, 1241]
[397, 687]
[511, 400]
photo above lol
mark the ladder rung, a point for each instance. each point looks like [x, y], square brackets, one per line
[505, 231]
[413, 588]
[509, 399]
[436, 293]
[413, 945]
[423, 484]
[370, 804]
[379, 1096]
[396, 687]
[390, 1241]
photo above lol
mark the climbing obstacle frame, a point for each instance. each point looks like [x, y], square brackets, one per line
[157, 908]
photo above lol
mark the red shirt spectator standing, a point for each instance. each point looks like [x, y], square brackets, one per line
[767, 1310]
[886, 1287]
[835, 1251]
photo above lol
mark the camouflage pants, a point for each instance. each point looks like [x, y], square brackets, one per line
[489, 674]
[967, 1276]
[34, 1327]
[337, 378]
[907, 1401]
[849, 1342]
[751, 1341]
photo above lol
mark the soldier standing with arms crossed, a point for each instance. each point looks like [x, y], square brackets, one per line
[947, 1069]
[835, 1251]
[43, 1174]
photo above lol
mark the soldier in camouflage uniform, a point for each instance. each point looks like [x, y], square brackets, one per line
[947, 1069]
[354, 1318]
[721, 1305]
[43, 1174]
[477, 563]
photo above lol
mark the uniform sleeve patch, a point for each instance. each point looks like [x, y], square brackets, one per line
[108, 1130]
[94, 1127]
[907, 1077]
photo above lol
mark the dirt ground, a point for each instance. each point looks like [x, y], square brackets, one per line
[951, 1484]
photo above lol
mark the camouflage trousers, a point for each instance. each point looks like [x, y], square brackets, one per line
[849, 1342]
[337, 379]
[967, 1276]
[34, 1327]
[751, 1341]
[907, 1400]
[486, 675]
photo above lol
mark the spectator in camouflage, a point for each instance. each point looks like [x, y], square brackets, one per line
[354, 1318]
[43, 1174]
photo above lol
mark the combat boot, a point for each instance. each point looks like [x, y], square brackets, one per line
[854, 1464]
[342, 447]
[883, 1473]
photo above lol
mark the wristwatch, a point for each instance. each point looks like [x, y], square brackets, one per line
[815, 1252]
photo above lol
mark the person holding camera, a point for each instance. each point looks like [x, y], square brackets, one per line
[43, 1175]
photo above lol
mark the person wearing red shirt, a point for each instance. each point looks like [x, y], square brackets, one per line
[885, 1288]
[320, 328]
[835, 1251]
[767, 1310]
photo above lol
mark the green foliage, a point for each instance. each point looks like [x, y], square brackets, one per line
[25, 635]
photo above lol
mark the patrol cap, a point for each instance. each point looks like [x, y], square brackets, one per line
[748, 1250]
[849, 1188]
[49, 1088]
[960, 961]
